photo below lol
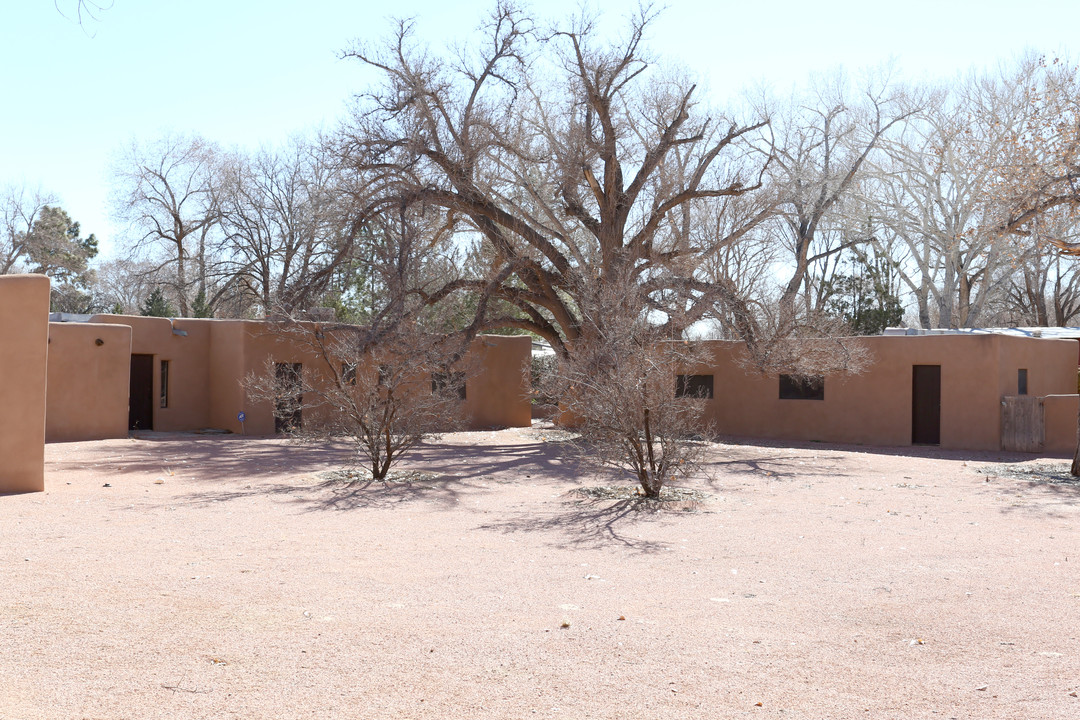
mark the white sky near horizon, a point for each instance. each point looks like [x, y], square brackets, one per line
[246, 73]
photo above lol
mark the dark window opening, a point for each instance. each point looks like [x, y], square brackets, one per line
[289, 402]
[694, 386]
[386, 374]
[1021, 381]
[793, 387]
[164, 383]
[348, 373]
[449, 382]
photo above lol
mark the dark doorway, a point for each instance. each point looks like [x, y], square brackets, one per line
[926, 405]
[141, 393]
[289, 401]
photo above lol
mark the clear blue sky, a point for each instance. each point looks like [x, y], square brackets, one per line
[251, 72]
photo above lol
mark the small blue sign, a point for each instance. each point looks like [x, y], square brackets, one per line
[241, 416]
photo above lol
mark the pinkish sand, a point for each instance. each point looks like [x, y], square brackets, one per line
[221, 577]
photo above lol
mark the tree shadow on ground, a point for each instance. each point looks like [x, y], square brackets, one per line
[489, 460]
[929, 452]
[291, 470]
[233, 457]
[340, 495]
[779, 467]
[592, 523]
[210, 458]
[1045, 499]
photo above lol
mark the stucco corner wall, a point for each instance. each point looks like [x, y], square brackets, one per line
[497, 393]
[227, 369]
[24, 338]
[87, 396]
[1059, 421]
[185, 344]
[875, 406]
[1050, 365]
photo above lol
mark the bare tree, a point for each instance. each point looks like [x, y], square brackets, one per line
[121, 285]
[625, 391]
[170, 192]
[386, 385]
[565, 173]
[386, 392]
[20, 209]
[284, 217]
[821, 148]
[933, 195]
[1044, 284]
[1039, 168]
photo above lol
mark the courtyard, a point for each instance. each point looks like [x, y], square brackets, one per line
[217, 576]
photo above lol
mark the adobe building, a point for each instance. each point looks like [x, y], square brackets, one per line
[107, 374]
[959, 391]
[117, 373]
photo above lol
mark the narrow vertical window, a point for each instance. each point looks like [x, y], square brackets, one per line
[1021, 381]
[164, 383]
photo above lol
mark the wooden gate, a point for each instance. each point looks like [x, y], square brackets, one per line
[1022, 428]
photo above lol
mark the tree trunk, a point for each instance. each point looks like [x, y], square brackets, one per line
[181, 279]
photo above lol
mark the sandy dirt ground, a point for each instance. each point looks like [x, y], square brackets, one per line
[222, 577]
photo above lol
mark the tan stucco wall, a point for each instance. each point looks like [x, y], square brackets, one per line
[226, 369]
[189, 373]
[88, 382]
[875, 406]
[496, 391]
[1059, 419]
[24, 337]
[207, 366]
[497, 394]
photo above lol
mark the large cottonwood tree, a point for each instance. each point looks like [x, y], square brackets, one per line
[569, 163]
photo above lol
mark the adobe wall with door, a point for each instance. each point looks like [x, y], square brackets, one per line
[496, 392]
[876, 406]
[24, 339]
[87, 396]
[181, 400]
[195, 369]
[1060, 417]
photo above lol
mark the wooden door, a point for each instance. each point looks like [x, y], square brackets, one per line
[926, 405]
[1022, 423]
[141, 393]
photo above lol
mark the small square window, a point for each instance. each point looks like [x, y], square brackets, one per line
[793, 387]
[449, 382]
[1021, 382]
[694, 386]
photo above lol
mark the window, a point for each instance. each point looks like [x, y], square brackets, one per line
[348, 373]
[1021, 381]
[793, 387]
[164, 383]
[289, 403]
[694, 386]
[449, 382]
